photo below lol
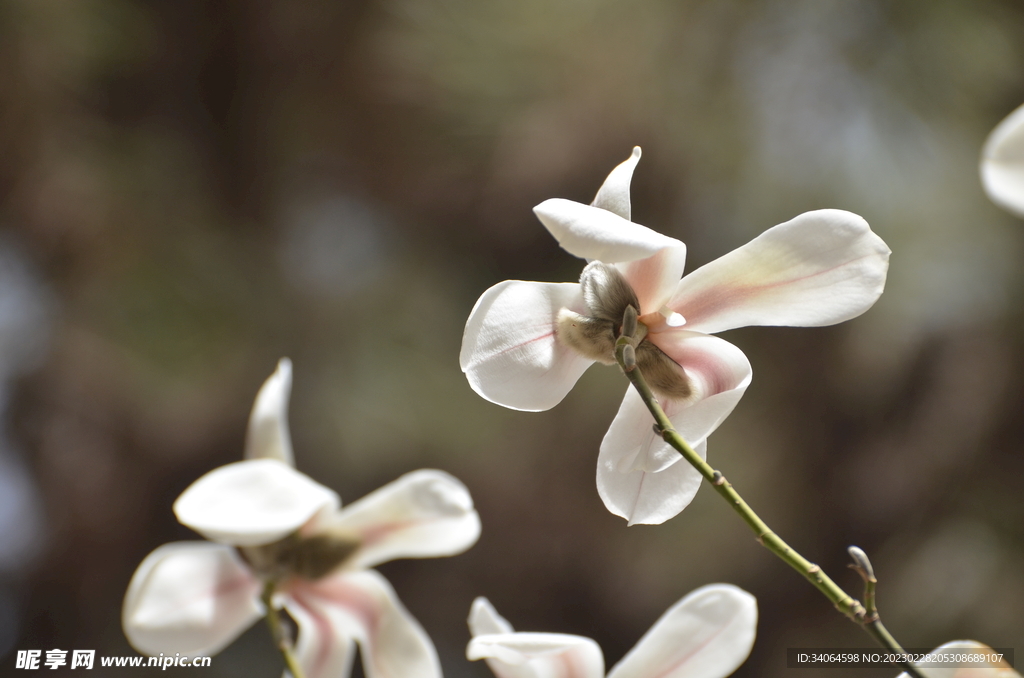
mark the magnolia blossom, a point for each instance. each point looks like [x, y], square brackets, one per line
[707, 634]
[988, 669]
[271, 524]
[1002, 163]
[527, 343]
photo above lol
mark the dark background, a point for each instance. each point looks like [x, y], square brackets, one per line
[190, 190]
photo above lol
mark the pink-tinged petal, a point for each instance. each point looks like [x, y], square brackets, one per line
[484, 619]
[707, 634]
[538, 655]
[999, 669]
[719, 374]
[509, 351]
[1002, 163]
[190, 597]
[320, 649]
[268, 436]
[818, 269]
[363, 606]
[645, 498]
[614, 192]
[252, 502]
[594, 233]
[423, 514]
[654, 280]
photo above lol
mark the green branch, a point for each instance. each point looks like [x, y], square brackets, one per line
[278, 632]
[849, 606]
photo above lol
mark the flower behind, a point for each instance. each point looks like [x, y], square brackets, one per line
[527, 343]
[996, 669]
[707, 634]
[271, 524]
[1002, 163]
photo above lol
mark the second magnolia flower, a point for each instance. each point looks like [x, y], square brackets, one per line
[272, 525]
[527, 343]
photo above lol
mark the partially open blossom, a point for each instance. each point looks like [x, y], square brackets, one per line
[987, 669]
[527, 343]
[1002, 163]
[270, 523]
[707, 634]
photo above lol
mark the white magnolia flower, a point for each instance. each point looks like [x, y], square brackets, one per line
[1002, 163]
[988, 669]
[527, 343]
[270, 523]
[707, 634]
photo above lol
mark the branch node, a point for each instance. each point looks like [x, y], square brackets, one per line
[717, 478]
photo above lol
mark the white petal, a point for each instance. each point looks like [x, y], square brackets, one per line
[707, 634]
[252, 502]
[190, 597]
[818, 269]
[363, 606]
[719, 374]
[1002, 163]
[538, 655]
[268, 436]
[484, 619]
[988, 670]
[509, 351]
[614, 192]
[423, 514]
[644, 498]
[594, 233]
[655, 278]
[320, 649]
[639, 476]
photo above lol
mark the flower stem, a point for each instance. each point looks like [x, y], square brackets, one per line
[279, 634]
[843, 602]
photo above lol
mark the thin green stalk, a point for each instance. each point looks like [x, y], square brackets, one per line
[849, 606]
[278, 632]
[872, 622]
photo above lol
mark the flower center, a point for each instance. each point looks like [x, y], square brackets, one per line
[309, 558]
[607, 295]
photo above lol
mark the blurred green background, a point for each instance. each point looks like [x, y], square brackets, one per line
[190, 190]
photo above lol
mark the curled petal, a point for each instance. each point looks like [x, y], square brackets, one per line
[509, 351]
[423, 514]
[252, 502]
[268, 436]
[319, 649]
[999, 669]
[594, 233]
[818, 269]
[614, 192]
[654, 279]
[1002, 163]
[645, 498]
[190, 597]
[361, 606]
[484, 619]
[718, 374]
[707, 634]
[538, 655]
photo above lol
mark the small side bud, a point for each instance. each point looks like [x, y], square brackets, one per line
[861, 564]
[628, 357]
[629, 321]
